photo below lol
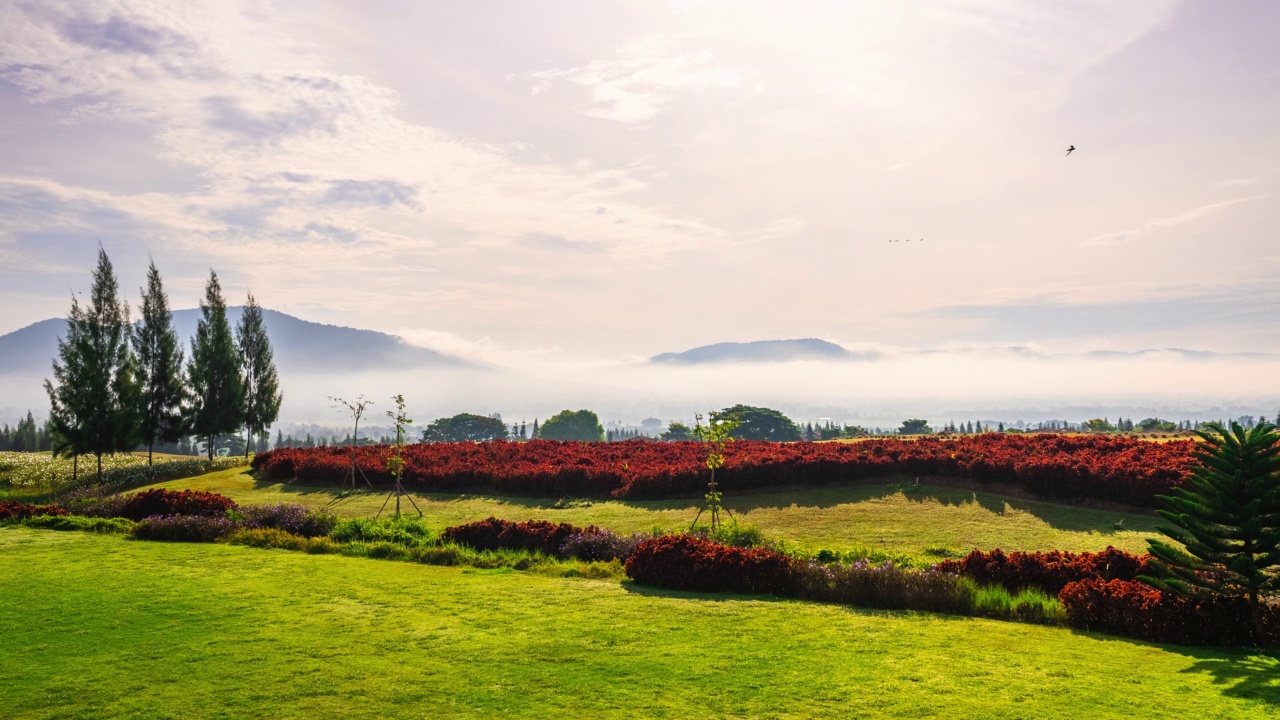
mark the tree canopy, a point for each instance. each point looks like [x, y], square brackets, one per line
[581, 425]
[759, 423]
[914, 426]
[465, 427]
[217, 387]
[676, 432]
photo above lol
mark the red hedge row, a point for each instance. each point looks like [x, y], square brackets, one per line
[1139, 611]
[1120, 469]
[532, 535]
[173, 502]
[1047, 571]
[686, 562]
[10, 509]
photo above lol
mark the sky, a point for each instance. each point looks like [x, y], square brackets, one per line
[562, 184]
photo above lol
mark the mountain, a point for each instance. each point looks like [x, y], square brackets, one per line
[300, 346]
[757, 352]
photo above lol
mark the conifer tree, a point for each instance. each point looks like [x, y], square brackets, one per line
[160, 360]
[217, 387]
[1227, 518]
[261, 384]
[94, 406]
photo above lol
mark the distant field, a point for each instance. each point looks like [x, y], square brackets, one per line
[922, 521]
[100, 626]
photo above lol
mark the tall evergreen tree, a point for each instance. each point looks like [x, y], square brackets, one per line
[261, 384]
[164, 388]
[94, 406]
[1227, 518]
[217, 388]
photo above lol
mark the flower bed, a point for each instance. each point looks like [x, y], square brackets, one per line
[183, 528]
[688, 562]
[1048, 571]
[175, 502]
[533, 535]
[1110, 468]
[1139, 611]
[10, 510]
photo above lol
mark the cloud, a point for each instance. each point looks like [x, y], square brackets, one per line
[1166, 222]
[644, 75]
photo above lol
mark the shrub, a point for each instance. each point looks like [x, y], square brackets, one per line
[403, 531]
[884, 586]
[281, 539]
[10, 510]
[95, 502]
[294, 519]
[81, 523]
[688, 562]
[428, 555]
[1046, 571]
[532, 535]
[183, 528]
[160, 502]
[601, 545]
[1136, 610]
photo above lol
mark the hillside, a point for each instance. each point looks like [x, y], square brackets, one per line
[757, 351]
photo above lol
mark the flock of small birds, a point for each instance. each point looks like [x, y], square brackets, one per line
[1070, 149]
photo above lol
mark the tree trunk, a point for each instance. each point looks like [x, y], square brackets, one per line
[151, 441]
[210, 448]
[99, 469]
[75, 468]
[246, 442]
[1255, 609]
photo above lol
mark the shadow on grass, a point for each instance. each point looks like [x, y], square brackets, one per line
[1249, 677]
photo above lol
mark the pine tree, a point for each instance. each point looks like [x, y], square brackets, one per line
[217, 388]
[94, 406]
[159, 367]
[534, 434]
[1227, 518]
[261, 384]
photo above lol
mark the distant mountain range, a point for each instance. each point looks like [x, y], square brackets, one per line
[760, 351]
[299, 345]
[775, 351]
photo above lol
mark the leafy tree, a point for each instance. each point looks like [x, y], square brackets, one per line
[160, 376]
[94, 406]
[581, 425]
[717, 433]
[465, 427]
[217, 387]
[1156, 425]
[1099, 425]
[262, 395]
[914, 426]
[1227, 519]
[759, 423]
[676, 432]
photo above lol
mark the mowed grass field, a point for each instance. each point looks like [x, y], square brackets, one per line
[923, 521]
[103, 626]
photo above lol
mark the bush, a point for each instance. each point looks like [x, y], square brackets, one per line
[532, 535]
[95, 502]
[601, 545]
[1140, 611]
[403, 531]
[160, 502]
[78, 522]
[294, 519]
[281, 539]
[884, 586]
[688, 562]
[10, 510]
[183, 528]
[1049, 572]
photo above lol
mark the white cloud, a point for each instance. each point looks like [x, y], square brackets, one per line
[1166, 222]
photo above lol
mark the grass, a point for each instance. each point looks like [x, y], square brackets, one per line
[922, 521]
[96, 625]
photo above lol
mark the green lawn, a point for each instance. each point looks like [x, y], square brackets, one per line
[897, 518]
[102, 626]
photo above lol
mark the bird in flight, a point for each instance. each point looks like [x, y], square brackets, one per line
[1069, 149]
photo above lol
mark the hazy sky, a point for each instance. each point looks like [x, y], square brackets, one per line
[536, 181]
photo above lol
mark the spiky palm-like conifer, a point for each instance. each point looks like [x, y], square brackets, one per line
[1228, 520]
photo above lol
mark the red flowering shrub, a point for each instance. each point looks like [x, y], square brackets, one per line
[688, 562]
[1120, 469]
[1048, 571]
[532, 535]
[1139, 611]
[173, 502]
[10, 509]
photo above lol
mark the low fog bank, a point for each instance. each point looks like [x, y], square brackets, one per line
[963, 385]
